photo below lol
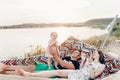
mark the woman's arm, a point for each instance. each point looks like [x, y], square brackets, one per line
[83, 57]
[93, 74]
[100, 68]
[112, 55]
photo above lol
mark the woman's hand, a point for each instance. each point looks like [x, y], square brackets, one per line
[90, 59]
[83, 56]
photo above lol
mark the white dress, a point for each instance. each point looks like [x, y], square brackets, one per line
[83, 73]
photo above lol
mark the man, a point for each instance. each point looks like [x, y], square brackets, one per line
[65, 63]
[68, 62]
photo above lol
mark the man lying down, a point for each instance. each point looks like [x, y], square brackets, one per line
[70, 62]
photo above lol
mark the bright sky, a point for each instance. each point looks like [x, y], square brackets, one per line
[49, 11]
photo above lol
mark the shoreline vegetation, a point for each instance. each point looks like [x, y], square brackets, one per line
[95, 40]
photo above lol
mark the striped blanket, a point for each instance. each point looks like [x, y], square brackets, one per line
[65, 48]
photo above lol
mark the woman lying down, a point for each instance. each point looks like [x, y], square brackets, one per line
[92, 68]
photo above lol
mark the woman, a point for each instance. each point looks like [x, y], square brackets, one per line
[92, 68]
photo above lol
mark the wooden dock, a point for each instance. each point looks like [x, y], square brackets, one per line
[115, 76]
[16, 77]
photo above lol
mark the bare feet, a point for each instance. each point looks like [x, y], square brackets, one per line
[1, 67]
[30, 68]
[5, 67]
[20, 72]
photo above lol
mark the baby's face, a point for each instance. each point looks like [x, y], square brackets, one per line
[54, 36]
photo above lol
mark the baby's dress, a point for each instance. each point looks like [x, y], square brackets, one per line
[48, 53]
[83, 73]
[47, 50]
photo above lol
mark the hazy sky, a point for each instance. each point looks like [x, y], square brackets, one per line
[39, 11]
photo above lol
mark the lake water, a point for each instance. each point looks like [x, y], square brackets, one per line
[15, 42]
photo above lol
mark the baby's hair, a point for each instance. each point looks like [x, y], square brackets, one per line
[53, 33]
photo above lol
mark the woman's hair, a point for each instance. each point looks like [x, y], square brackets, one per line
[101, 57]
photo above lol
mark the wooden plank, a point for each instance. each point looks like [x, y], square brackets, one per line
[16, 77]
[115, 76]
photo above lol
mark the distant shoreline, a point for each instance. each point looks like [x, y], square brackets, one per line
[34, 27]
[42, 25]
[100, 22]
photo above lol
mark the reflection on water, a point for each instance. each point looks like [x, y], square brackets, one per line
[15, 42]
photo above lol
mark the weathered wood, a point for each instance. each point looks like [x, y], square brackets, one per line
[115, 76]
[15, 77]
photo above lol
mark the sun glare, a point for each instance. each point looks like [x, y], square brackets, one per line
[63, 33]
[41, 11]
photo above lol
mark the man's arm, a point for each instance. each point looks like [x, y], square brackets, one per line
[68, 65]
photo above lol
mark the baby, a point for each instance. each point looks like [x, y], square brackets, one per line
[52, 42]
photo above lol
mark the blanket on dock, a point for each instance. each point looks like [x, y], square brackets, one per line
[65, 48]
[115, 76]
[16, 77]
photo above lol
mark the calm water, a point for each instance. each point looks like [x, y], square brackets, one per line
[15, 42]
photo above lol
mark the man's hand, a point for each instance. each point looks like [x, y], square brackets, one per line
[53, 50]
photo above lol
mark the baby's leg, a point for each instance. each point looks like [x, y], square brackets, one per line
[56, 64]
[49, 62]
[58, 52]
